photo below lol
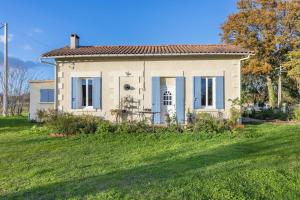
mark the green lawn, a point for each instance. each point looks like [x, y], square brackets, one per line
[260, 162]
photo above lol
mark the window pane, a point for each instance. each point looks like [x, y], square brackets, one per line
[43, 95]
[210, 91]
[90, 100]
[203, 92]
[83, 87]
[51, 95]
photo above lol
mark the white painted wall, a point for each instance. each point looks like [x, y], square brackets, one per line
[142, 69]
[35, 103]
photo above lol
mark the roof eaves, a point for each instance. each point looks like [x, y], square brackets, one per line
[144, 55]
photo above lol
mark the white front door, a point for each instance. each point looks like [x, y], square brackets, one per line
[167, 106]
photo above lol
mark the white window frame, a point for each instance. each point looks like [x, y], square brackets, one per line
[213, 106]
[87, 79]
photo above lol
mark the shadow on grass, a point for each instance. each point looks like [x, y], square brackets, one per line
[14, 123]
[161, 170]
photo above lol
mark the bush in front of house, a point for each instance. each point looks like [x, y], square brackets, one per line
[105, 127]
[296, 114]
[206, 122]
[63, 123]
[41, 115]
[131, 127]
[235, 112]
[67, 123]
[135, 127]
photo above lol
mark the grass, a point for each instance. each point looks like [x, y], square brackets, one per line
[259, 162]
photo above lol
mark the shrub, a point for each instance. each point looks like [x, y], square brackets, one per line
[279, 114]
[133, 127]
[235, 112]
[249, 112]
[67, 123]
[105, 127]
[63, 123]
[267, 113]
[88, 124]
[296, 114]
[41, 115]
[206, 122]
[270, 114]
[190, 118]
[168, 119]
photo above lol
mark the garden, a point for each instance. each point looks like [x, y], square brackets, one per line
[258, 161]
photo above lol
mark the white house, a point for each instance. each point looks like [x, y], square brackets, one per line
[141, 80]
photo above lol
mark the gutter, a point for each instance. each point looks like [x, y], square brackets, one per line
[46, 62]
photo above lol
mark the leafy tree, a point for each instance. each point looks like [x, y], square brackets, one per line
[267, 27]
[293, 64]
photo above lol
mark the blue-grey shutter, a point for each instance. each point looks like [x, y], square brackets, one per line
[74, 100]
[220, 92]
[156, 99]
[197, 92]
[180, 99]
[97, 92]
[43, 95]
[50, 95]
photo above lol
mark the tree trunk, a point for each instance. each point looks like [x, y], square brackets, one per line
[271, 92]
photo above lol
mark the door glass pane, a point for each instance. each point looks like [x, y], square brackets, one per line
[203, 92]
[83, 88]
[210, 91]
[167, 98]
[90, 99]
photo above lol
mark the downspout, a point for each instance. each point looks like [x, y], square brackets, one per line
[55, 80]
[243, 59]
[246, 58]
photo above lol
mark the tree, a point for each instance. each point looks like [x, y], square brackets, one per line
[293, 64]
[267, 27]
[18, 89]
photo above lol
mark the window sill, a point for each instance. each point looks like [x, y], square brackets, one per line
[46, 102]
[210, 109]
[85, 110]
[88, 109]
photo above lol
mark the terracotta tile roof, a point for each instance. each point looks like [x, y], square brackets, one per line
[146, 50]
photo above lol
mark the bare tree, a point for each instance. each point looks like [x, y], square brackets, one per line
[18, 89]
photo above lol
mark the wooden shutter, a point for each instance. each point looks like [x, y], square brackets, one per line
[156, 99]
[74, 95]
[97, 92]
[180, 99]
[220, 92]
[197, 92]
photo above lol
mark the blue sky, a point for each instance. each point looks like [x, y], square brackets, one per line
[38, 26]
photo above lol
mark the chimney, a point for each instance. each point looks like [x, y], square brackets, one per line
[74, 41]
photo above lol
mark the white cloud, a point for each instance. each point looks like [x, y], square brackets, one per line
[37, 30]
[9, 38]
[34, 31]
[27, 47]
